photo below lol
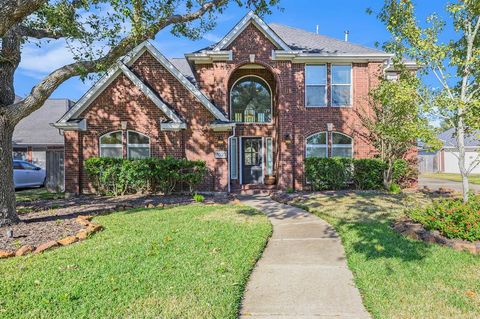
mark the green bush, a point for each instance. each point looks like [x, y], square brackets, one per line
[395, 188]
[368, 173]
[328, 173]
[452, 217]
[198, 198]
[115, 177]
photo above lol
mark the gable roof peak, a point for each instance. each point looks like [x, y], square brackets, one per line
[251, 17]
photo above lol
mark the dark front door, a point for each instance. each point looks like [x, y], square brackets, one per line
[252, 160]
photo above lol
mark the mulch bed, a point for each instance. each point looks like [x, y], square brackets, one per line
[49, 220]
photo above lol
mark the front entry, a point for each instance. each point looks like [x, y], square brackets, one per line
[252, 160]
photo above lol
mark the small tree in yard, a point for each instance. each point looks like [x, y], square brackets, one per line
[454, 62]
[98, 33]
[397, 122]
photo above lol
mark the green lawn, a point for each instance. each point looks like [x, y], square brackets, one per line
[399, 277]
[473, 179]
[34, 194]
[184, 262]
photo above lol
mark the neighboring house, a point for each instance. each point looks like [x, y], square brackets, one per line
[446, 159]
[35, 140]
[254, 104]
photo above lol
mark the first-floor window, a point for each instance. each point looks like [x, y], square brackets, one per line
[111, 145]
[138, 145]
[234, 158]
[317, 145]
[341, 145]
[269, 150]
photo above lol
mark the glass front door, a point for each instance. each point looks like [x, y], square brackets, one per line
[252, 160]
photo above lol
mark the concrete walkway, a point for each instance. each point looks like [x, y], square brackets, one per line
[303, 272]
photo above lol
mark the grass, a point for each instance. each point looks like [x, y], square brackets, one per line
[184, 262]
[31, 195]
[399, 277]
[473, 179]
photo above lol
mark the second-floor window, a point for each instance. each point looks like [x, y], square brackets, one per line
[341, 85]
[251, 101]
[316, 85]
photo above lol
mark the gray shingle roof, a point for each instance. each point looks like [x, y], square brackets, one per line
[298, 39]
[36, 128]
[184, 67]
[448, 138]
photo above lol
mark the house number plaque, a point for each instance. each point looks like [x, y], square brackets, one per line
[220, 154]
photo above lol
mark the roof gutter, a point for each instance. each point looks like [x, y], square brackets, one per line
[300, 56]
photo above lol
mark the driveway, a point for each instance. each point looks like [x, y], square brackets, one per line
[436, 183]
[303, 272]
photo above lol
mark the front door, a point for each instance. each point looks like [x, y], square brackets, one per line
[252, 160]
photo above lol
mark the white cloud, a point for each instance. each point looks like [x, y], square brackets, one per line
[211, 37]
[43, 60]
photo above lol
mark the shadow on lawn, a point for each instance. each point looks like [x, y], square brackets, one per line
[378, 240]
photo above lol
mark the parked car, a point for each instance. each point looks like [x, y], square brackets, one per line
[26, 174]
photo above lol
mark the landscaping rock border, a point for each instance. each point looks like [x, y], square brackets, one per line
[414, 230]
[84, 220]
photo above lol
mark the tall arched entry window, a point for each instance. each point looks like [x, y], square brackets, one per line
[251, 101]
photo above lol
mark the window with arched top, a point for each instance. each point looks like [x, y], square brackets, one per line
[341, 145]
[317, 145]
[138, 145]
[111, 145]
[251, 101]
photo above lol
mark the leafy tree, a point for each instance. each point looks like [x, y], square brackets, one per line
[398, 122]
[455, 63]
[98, 32]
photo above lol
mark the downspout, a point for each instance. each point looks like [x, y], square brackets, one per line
[229, 157]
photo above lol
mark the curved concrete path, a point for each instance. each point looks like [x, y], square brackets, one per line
[303, 272]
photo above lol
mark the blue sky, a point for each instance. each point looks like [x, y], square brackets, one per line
[333, 18]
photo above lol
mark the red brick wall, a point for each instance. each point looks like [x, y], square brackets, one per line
[122, 101]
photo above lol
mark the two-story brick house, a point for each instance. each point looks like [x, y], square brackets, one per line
[253, 105]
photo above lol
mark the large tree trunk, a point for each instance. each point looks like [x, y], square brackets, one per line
[8, 214]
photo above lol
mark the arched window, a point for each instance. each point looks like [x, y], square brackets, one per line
[251, 101]
[138, 145]
[111, 145]
[341, 145]
[316, 145]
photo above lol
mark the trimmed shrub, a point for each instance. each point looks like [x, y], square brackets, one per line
[328, 173]
[198, 198]
[115, 177]
[452, 217]
[368, 173]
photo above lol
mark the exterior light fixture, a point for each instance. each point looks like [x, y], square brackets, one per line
[288, 138]
[329, 127]
[124, 125]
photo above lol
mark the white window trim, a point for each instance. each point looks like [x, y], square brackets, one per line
[316, 84]
[138, 145]
[110, 145]
[317, 145]
[271, 100]
[345, 146]
[332, 84]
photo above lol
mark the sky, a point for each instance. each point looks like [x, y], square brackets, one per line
[332, 17]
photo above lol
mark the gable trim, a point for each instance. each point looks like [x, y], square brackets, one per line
[251, 17]
[128, 60]
[150, 94]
